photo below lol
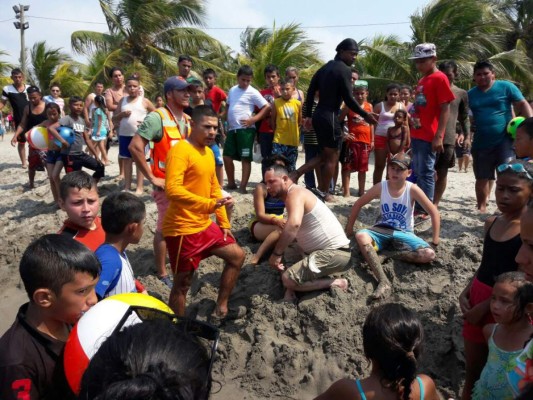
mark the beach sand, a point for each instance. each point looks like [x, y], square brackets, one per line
[274, 349]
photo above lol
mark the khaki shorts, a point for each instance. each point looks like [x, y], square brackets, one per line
[326, 262]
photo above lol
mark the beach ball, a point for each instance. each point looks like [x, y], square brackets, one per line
[97, 324]
[66, 133]
[513, 125]
[38, 138]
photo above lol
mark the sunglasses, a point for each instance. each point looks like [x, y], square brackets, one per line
[202, 330]
[519, 168]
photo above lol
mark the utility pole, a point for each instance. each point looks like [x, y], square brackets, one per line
[22, 25]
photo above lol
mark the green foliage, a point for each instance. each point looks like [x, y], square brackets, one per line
[44, 62]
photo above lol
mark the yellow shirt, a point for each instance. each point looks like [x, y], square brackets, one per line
[192, 189]
[287, 121]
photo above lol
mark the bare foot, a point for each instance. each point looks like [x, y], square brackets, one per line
[24, 166]
[139, 192]
[346, 195]
[382, 291]
[255, 260]
[290, 296]
[230, 187]
[341, 283]
[329, 198]
[243, 190]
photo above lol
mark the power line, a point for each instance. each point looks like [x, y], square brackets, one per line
[231, 28]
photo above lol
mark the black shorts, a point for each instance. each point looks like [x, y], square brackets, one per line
[446, 159]
[327, 128]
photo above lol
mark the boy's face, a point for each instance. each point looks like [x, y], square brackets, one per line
[210, 80]
[197, 94]
[272, 79]
[450, 74]
[396, 173]
[425, 65]
[133, 88]
[139, 230]
[76, 298]
[287, 91]
[244, 81]
[76, 108]
[523, 143]
[360, 95]
[81, 206]
[52, 114]
[483, 78]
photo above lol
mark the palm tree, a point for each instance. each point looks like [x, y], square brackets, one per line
[44, 62]
[283, 47]
[145, 36]
[478, 31]
[5, 68]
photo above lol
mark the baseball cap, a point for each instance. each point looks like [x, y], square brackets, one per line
[192, 81]
[360, 84]
[424, 50]
[175, 83]
[402, 160]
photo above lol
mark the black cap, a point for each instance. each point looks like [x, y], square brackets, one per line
[347, 44]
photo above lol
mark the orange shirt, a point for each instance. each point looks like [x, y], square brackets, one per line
[192, 189]
[92, 238]
[359, 127]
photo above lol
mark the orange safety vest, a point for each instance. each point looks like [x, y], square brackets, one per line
[171, 136]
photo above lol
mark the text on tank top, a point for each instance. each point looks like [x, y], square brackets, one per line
[386, 118]
[397, 212]
[320, 230]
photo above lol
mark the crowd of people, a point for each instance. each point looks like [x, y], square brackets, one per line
[183, 142]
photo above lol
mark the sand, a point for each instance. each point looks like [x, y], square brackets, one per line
[274, 349]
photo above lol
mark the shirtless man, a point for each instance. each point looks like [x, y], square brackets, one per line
[318, 232]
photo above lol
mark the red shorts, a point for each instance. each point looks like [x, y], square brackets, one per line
[356, 159]
[479, 292]
[36, 159]
[186, 251]
[380, 142]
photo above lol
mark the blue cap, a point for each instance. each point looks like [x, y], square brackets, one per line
[175, 83]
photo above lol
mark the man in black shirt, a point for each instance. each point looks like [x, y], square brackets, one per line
[333, 82]
[18, 99]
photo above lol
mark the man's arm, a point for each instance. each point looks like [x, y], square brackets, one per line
[418, 195]
[257, 117]
[295, 205]
[136, 148]
[90, 145]
[522, 108]
[441, 129]
[22, 126]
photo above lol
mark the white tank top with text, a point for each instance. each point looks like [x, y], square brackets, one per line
[397, 212]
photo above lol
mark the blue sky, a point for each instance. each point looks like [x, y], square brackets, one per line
[390, 17]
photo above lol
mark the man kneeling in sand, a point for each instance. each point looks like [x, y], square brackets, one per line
[318, 233]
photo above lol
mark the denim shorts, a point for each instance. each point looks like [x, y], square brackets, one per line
[400, 240]
[53, 156]
[218, 155]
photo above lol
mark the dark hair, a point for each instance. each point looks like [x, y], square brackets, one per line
[245, 70]
[100, 100]
[53, 105]
[406, 87]
[275, 158]
[202, 111]
[524, 290]
[74, 99]
[75, 179]
[392, 337]
[289, 81]
[33, 89]
[184, 57]
[133, 77]
[392, 86]
[278, 169]
[270, 68]
[482, 65]
[16, 71]
[209, 71]
[55, 85]
[115, 69]
[53, 260]
[403, 112]
[527, 125]
[98, 83]
[450, 64]
[150, 360]
[353, 69]
[120, 209]
[156, 97]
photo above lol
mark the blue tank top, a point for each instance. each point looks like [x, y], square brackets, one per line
[274, 206]
[363, 397]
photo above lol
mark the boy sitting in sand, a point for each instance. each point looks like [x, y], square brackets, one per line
[123, 216]
[395, 226]
[59, 275]
[78, 197]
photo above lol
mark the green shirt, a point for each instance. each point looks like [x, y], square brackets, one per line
[151, 128]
